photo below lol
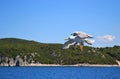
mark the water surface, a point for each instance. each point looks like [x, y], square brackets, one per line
[59, 72]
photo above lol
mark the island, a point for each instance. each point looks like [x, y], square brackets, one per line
[22, 52]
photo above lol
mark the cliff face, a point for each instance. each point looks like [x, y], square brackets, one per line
[6, 61]
[18, 60]
[19, 52]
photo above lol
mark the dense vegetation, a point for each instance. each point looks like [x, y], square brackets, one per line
[54, 54]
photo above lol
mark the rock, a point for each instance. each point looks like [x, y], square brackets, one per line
[103, 56]
[118, 62]
[11, 62]
[19, 61]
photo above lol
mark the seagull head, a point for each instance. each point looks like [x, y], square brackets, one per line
[75, 34]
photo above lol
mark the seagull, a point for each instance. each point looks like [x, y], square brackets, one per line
[78, 38]
[82, 35]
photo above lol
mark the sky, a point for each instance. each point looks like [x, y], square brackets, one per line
[51, 21]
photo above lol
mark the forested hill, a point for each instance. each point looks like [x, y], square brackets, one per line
[35, 52]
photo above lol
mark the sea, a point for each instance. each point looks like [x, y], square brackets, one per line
[59, 72]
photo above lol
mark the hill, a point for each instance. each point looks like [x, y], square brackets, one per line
[14, 51]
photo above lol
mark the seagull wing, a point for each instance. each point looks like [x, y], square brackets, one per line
[84, 35]
[67, 44]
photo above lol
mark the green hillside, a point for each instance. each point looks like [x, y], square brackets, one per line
[54, 54]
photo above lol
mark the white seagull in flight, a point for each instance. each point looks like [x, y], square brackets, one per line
[78, 37]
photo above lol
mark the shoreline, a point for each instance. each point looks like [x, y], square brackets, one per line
[77, 65]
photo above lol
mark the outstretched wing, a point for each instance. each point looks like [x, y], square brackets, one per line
[67, 44]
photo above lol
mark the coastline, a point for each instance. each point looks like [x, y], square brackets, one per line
[79, 65]
[57, 65]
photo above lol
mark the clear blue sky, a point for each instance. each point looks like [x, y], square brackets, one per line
[50, 21]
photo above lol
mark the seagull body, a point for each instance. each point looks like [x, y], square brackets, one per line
[82, 35]
[78, 37]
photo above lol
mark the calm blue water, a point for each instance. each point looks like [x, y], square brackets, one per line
[59, 72]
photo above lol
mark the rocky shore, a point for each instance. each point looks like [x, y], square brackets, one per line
[24, 61]
[19, 61]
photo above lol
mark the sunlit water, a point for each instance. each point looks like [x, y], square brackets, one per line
[59, 72]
